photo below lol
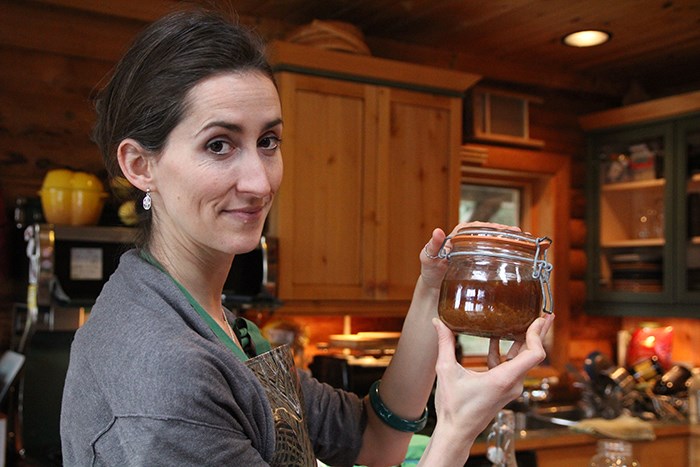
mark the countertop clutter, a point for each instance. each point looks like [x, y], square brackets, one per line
[652, 406]
[676, 444]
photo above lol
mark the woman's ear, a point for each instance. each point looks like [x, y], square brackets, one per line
[135, 162]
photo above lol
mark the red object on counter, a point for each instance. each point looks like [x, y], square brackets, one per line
[648, 340]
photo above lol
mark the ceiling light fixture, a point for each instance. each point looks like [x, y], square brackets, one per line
[587, 38]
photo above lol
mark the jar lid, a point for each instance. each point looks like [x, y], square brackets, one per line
[510, 237]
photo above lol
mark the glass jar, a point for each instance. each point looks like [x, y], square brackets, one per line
[496, 283]
[694, 397]
[501, 440]
[614, 453]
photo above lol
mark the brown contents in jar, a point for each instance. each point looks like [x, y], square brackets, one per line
[490, 308]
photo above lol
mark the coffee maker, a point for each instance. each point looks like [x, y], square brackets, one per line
[68, 265]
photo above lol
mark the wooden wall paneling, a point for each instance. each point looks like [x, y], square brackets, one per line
[150, 10]
[577, 233]
[141, 10]
[45, 117]
[29, 25]
[577, 294]
[41, 72]
[578, 203]
[577, 263]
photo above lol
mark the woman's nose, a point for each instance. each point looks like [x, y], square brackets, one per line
[254, 176]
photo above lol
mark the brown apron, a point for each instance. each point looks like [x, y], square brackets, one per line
[277, 374]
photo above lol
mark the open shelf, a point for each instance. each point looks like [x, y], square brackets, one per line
[635, 185]
[636, 243]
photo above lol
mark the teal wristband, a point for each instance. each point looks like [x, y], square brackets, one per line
[390, 418]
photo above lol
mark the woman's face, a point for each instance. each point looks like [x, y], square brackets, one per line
[221, 166]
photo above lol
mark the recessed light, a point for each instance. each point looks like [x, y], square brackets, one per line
[587, 38]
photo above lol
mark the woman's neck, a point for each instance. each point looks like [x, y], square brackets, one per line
[202, 274]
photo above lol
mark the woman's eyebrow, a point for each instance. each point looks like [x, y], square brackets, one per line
[222, 124]
[235, 127]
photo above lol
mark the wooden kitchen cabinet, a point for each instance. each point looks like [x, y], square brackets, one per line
[644, 209]
[371, 154]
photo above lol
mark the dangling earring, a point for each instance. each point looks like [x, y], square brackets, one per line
[147, 201]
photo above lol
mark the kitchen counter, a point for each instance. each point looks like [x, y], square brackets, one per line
[676, 444]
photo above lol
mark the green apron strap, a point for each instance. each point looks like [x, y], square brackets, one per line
[250, 337]
[220, 333]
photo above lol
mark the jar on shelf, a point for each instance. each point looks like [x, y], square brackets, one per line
[614, 453]
[496, 283]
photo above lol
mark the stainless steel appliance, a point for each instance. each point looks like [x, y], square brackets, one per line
[68, 266]
[354, 361]
[354, 374]
[252, 280]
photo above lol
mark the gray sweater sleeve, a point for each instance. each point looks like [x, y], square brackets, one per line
[336, 421]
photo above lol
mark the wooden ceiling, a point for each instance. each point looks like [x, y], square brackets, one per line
[655, 48]
[656, 43]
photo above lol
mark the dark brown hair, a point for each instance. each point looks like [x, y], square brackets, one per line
[146, 96]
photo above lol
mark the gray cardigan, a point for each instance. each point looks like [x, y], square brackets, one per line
[150, 384]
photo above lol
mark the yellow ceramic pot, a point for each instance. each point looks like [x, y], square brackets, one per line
[56, 196]
[74, 198]
[87, 199]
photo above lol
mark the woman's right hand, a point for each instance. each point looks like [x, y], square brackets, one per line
[466, 401]
[432, 268]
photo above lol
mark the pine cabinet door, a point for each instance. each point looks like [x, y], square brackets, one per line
[417, 165]
[368, 171]
[325, 237]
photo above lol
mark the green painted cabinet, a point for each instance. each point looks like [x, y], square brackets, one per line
[643, 215]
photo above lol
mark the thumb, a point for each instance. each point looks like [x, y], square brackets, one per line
[446, 345]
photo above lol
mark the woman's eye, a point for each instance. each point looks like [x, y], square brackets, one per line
[219, 146]
[269, 142]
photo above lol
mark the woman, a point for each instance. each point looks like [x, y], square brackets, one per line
[162, 374]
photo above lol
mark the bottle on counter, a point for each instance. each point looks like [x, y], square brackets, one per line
[694, 397]
[501, 440]
[614, 452]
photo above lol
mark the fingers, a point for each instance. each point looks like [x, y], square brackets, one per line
[528, 353]
[531, 353]
[549, 319]
[432, 248]
[446, 346]
[433, 267]
[494, 356]
[537, 332]
[514, 350]
[540, 327]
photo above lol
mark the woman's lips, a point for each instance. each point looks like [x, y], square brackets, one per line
[247, 214]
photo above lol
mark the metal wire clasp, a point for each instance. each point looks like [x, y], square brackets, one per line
[541, 269]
